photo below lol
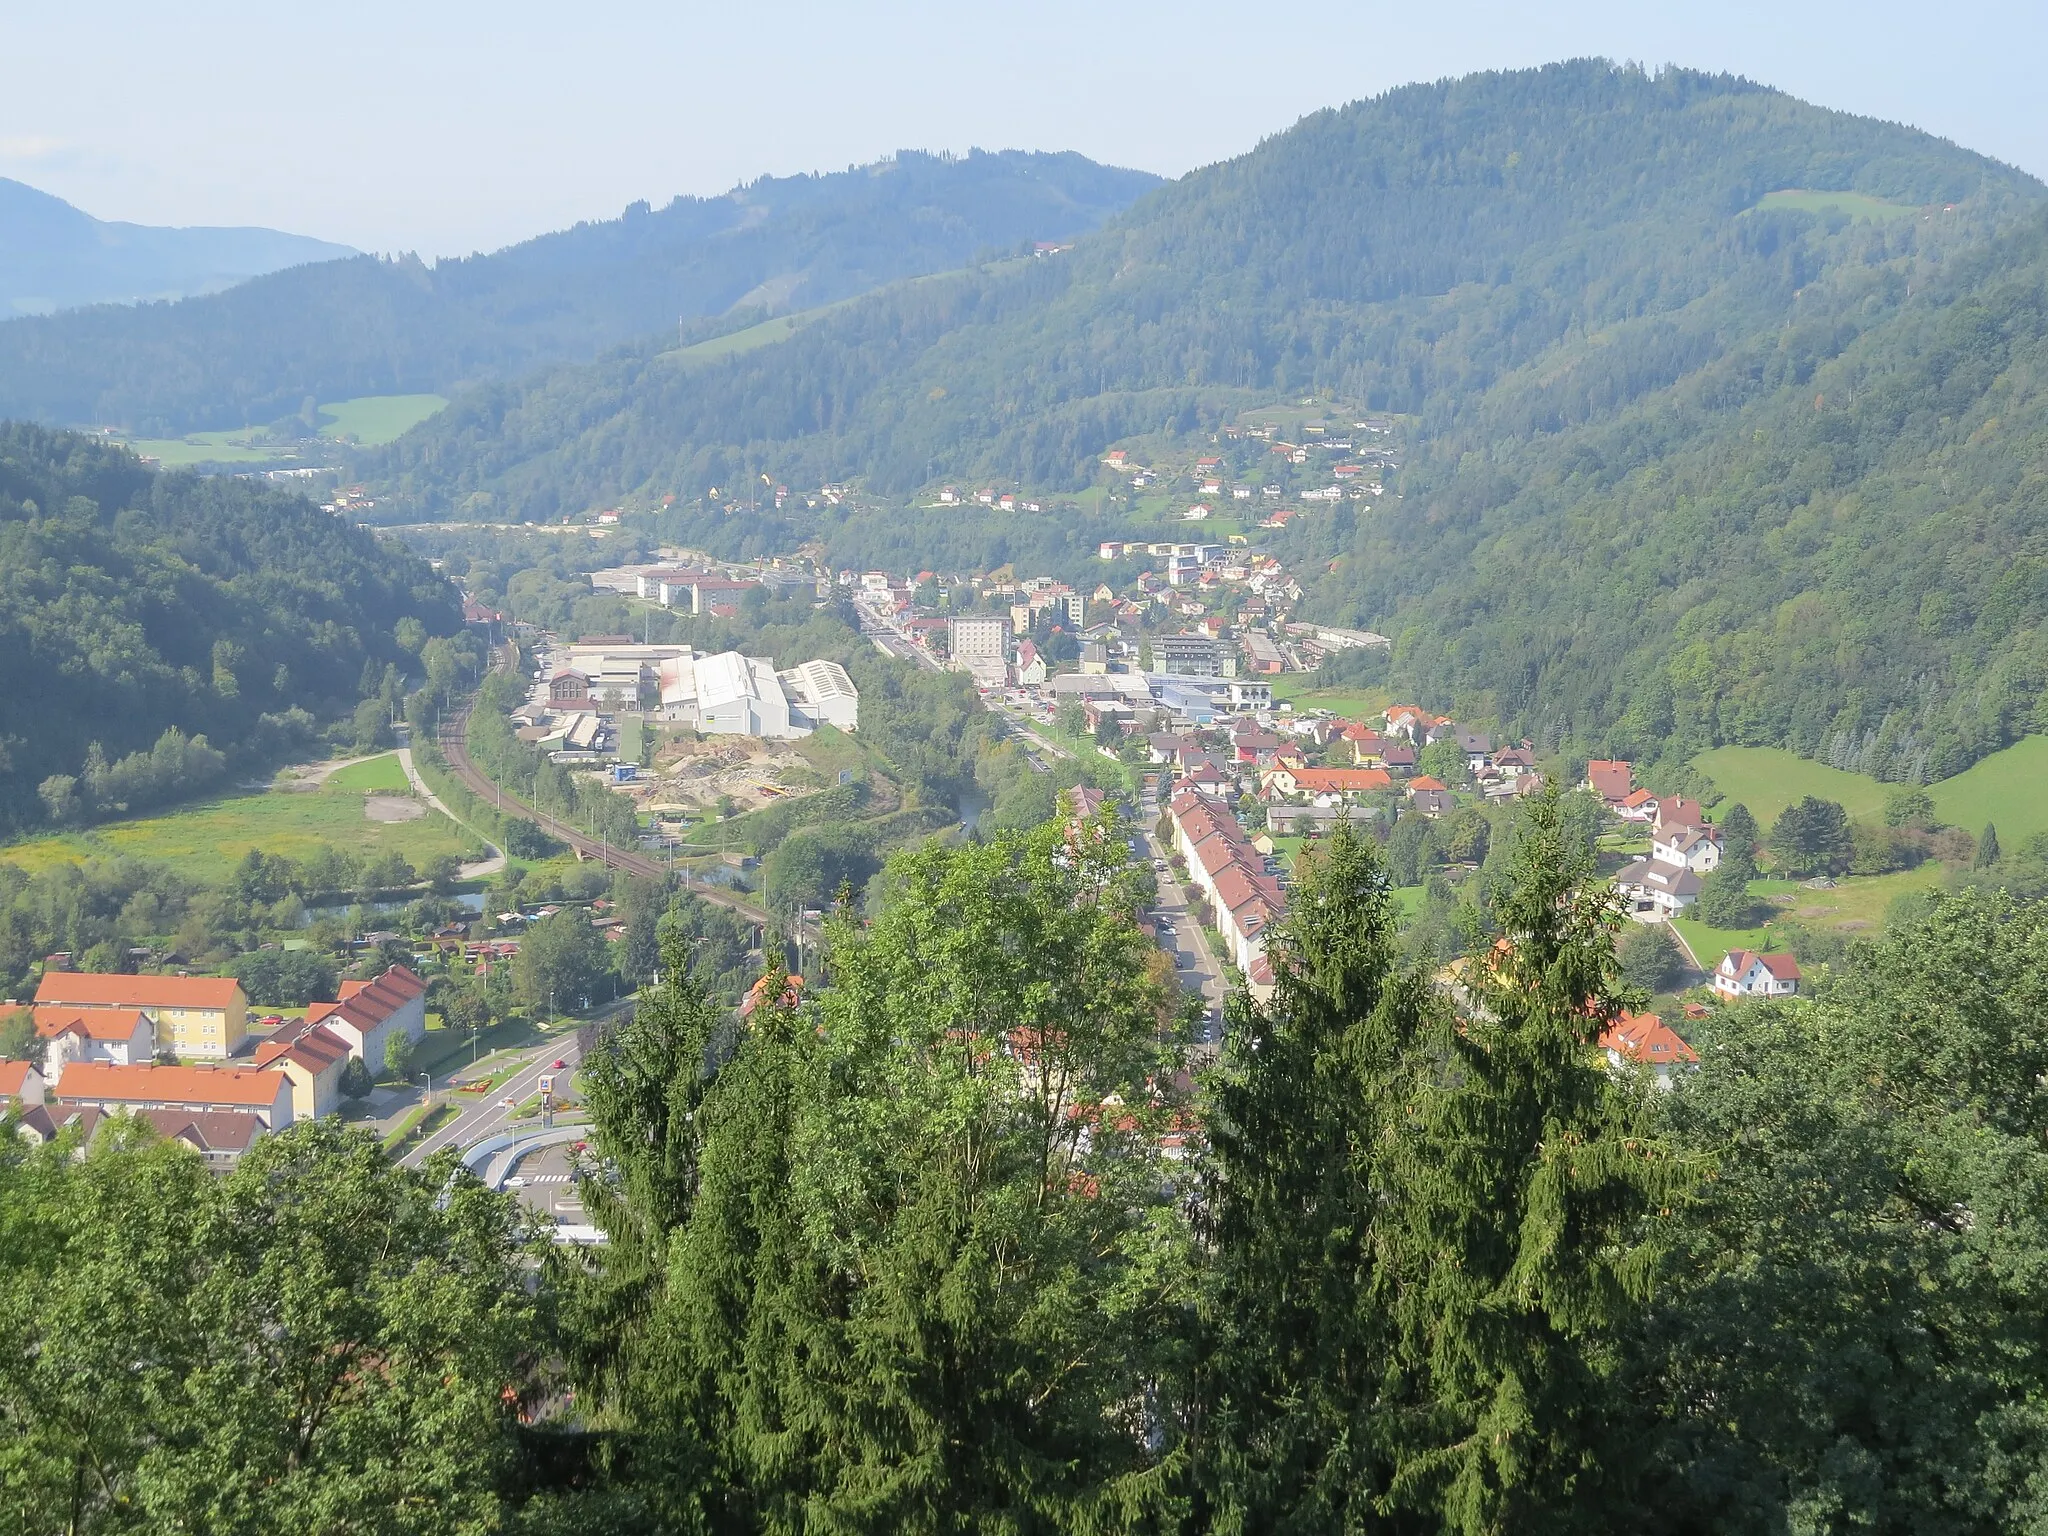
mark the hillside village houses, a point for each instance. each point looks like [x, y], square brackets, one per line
[191, 1016]
[1683, 849]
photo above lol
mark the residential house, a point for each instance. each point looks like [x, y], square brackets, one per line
[193, 1016]
[1095, 659]
[21, 1083]
[1231, 874]
[1477, 747]
[368, 1014]
[1418, 727]
[1745, 973]
[1661, 886]
[1326, 785]
[1397, 757]
[1433, 803]
[1611, 779]
[1697, 848]
[1030, 666]
[248, 1090]
[314, 1059]
[124, 1036]
[221, 1137]
[1636, 805]
[1513, 762]
[1643, 1039]
[1314, 820]
[1676, 811]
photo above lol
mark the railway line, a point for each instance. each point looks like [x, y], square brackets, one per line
[453, 737]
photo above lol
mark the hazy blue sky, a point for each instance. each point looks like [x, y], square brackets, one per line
[447, 126]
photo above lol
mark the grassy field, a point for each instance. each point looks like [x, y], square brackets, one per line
[1767, 779]
[1855, 204]
[1297, 688]
[376, 773]
[374, 420]
[231, 447]
[2008, 788]
[206, 839]
[1857, 904]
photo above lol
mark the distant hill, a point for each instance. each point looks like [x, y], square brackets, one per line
[349, 329]
[53, 257]
[1717, 404]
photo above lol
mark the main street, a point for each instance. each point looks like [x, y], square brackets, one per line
[485, 1114]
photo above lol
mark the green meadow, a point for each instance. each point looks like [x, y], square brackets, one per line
[374, 420]
[2008, 788]
[207, 839]
[1856, 205]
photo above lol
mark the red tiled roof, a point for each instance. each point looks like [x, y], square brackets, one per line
[1425, 781]
[92, 990]
[13, 1075]
[1348, 780]
[1781, 967]
[93, 1023]
[107, 1083]
[1645, 1037]
[316, 1049]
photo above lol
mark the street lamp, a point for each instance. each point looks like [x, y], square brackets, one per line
[428, 1079]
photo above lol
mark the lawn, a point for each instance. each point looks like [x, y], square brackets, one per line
[1298, 689]
[376, 773]
[1857, 904]
[2008, 788]
[1767, 779]
[373, 420]
[205, 840]
[1856, 205]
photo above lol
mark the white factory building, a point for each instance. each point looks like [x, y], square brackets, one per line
[731, 694]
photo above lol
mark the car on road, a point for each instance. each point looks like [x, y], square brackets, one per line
[508, 1102]
[561, 1066]
[515, 1182]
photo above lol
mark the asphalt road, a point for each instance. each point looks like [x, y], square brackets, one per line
[484, 1114]
[1196, 966]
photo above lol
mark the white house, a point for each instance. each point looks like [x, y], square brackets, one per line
[1697, 848]
[1745, 973]
[125, 1037]
[1644, 1040]
[1656, 890]
[370, 1013]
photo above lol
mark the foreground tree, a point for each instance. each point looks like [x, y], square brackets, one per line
[927, 1273]
[318, 1341]
[1459, 1253]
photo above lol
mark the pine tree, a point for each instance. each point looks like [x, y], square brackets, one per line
[1987, 848]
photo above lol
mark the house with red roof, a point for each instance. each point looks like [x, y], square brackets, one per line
[193, 1016]
[1745, 973]
[124, 1036]
[243, 1090]
[1612, 779]
[1644, 1040]
[369, 1014]
[21, 1083]
[313, 1059]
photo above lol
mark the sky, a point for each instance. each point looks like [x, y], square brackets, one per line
[450, 126]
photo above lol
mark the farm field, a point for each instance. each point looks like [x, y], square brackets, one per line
[2008, 788]
[207, 839]
[374, 420]
[230, 447]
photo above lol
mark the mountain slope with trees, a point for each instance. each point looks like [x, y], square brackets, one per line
[373, 326]
[143, 611]
[1621, 361]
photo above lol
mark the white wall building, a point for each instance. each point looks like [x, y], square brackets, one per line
[820, 693]
[981, 645]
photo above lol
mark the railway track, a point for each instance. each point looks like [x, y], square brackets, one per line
[453, 737]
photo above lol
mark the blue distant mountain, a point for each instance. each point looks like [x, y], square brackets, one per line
[52, 256]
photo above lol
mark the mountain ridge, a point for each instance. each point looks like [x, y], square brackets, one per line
[54, 256]
[391, 326]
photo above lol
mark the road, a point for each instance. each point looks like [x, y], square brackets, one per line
[494, 856]
[484, 1114]
[1193, 960]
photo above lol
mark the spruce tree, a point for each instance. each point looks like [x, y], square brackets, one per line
[1296, 1348]
[1506, 1254]
[1987, 848]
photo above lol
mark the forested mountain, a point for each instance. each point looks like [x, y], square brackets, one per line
[373, 326]
[133, 604]
[52, 256]
[1609, 341]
